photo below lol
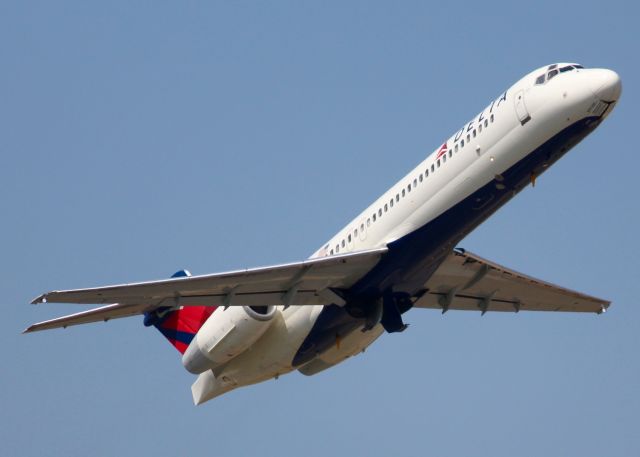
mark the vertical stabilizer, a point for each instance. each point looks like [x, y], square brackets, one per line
[179, 325]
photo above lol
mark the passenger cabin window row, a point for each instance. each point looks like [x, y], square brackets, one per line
[376, 215]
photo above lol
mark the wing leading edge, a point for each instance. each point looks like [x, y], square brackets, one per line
[468, 282]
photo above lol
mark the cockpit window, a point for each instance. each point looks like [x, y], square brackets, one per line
[553, 70]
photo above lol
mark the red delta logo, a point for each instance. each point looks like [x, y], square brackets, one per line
[441, 151]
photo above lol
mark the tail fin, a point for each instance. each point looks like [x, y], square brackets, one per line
[179, 325]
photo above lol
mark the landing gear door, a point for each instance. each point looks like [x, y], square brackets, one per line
[521, 108]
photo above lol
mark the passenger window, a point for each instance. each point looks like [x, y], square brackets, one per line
[391, 203]
[474, 133]
[492, 118]
[337, 248]
[420, 177]
[415, 183]
[433, 168]
[343, 243]
[468, 138]
[349, 237]
[380, 212]
[397, 197]
[403, 192]
[486, 123]
[362, 227]
[444, 158]
[355, 233]
[374, 217]
[409, 188]
[426, 173]
[456, 147]
[480, 128]
[450, 153]
[386, 207]
[438, 162]
[368, 222]
[462, 143]
[331, 252]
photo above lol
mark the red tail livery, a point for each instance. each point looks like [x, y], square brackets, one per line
[179, 325]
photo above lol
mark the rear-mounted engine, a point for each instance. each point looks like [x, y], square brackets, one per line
[226, 334]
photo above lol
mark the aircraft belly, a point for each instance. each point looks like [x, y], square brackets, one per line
[343, 348]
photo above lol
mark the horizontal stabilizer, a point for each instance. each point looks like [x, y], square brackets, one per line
[103, 313]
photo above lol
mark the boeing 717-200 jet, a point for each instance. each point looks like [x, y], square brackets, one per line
[243, 327]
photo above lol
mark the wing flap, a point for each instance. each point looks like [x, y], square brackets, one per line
[468, 282]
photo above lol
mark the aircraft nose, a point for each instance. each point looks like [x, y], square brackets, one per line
[606, 85]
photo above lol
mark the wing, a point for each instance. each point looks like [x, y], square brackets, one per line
[303, 283]
[468, 282]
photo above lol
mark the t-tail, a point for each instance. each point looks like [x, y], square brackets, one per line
[179, 325]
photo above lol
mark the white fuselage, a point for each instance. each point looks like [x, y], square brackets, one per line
[502, 135]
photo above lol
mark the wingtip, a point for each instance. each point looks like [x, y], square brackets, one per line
[39, 299]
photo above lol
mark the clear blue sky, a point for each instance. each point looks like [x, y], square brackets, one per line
[138, 138]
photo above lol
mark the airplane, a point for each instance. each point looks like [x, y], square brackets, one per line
[243, 327]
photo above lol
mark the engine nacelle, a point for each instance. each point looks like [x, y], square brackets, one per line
[227, 333]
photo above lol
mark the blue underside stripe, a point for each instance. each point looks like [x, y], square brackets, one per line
[176, 335]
